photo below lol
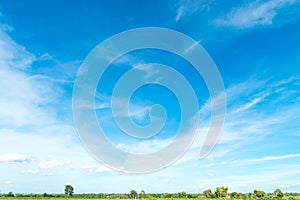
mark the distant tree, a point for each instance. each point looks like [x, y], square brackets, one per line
[233, 194]
[221, 192]
[240, 195]
[259, 194]
[278, 194]
[69, 190]
[182, 194]
[133, 194]
[143, 194]
[45, 195]
[208, 193]
[167, 195]
[10, 194]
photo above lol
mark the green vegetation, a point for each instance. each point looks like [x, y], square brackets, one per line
[219, 193]
[69, 190]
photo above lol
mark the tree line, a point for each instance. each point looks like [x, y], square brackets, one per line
[220, 192]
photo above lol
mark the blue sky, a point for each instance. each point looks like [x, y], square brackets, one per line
[255, 45]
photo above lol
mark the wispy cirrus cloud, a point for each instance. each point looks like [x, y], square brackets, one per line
[52, 164]
[274, 158]
[283, 186]
[186, 8]
[254, 161]
[12, 54]
[143, 147]
[31, 171]
[95, 168]
[24, 98]
[8, 182]
[252, 102]
[253, 14]
[244, 126]
[187, 50]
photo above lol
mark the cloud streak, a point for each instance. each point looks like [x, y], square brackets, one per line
[189, 7]
[95, 168]
[31, 171]
[274, 158]
[24, 99]
[52, 164]
[257, 13]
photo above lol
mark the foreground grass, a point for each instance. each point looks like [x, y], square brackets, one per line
[150, 198]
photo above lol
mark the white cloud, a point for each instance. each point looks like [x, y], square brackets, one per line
[31, 171]
[95, 168]
[136, 63]
[14, 157]
[24, 98]
[44, 56]
[253, 14]
[144, 147]
[180, 11]
[188, 7]
[52, 164]
[13, 55]
[8, 182]
[129, 60]
[199, 186]
[243, 125]
[137, 110]
[187, 50]
[166, 178]
[148, 70]
[272, 158]
[283, 186]
[252, 103]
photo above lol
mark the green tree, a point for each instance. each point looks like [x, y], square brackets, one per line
[182, 194]
[45, 195]
[133, 194]
[143, 194]
[208, 193]
[167, 195]
[10, 194]
[259, 194]
[69, 190]
[278, 193]
[221, 191]
[233, 194]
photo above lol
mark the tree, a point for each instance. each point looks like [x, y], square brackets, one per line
[278, 193]
[133, 194]
[259, 193]
[69, 190]
[221, 191]
[233, 194]
[182, 194]
[208, 193]
[10, 194]
[143, 194]
[167, 195]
